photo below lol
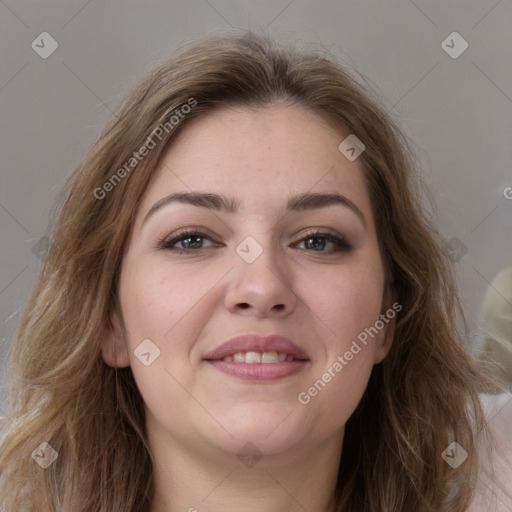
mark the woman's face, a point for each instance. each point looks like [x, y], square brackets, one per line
[256, 226]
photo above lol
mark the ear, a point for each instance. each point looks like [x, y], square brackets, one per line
[384, 339]
[113, 345]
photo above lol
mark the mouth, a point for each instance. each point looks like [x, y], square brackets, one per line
[271, 357]
[255, 357]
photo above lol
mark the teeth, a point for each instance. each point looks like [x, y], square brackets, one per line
[239, 357]
[269, 357]
[252, 357]
[259, 357]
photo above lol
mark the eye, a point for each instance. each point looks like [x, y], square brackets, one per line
[323, 242]
[187, 241]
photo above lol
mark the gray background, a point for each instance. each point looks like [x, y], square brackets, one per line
[457, 111]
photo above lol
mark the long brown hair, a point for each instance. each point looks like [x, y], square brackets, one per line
[420, 399]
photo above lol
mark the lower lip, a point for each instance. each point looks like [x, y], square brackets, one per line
[259, 372]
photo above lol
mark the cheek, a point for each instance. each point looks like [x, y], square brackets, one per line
[346, 301]
[157, 302]
[168, 308]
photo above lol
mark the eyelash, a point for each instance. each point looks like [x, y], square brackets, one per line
[168, 243]
[342, 245]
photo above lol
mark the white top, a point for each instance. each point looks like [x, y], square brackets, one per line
[494, 486]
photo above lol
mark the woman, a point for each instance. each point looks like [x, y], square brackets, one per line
[243, 307]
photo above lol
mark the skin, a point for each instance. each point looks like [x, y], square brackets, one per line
[188, 303]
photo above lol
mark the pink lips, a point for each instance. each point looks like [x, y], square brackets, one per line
[261, 344]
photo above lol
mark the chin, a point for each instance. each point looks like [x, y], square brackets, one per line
[271, 429]
[261, 445]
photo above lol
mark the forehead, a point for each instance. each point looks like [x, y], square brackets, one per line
[258, 155]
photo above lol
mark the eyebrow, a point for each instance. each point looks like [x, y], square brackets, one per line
[300, 203]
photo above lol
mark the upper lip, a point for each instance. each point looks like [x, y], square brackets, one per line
[256, 343]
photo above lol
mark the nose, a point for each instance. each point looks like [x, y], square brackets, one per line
[262, 288]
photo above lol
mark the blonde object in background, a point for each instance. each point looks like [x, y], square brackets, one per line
[494, 487]
[495, 356]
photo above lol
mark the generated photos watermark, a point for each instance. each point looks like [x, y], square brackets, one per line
[304, 397]
[351, 147]
[45, 455]
[454, 455]
[173, 120]
[146, 352]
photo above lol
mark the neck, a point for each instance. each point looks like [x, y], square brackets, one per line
[190, 479]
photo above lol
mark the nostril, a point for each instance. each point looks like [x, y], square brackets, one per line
[246, 305]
